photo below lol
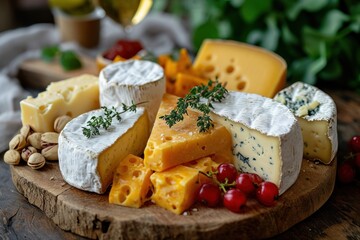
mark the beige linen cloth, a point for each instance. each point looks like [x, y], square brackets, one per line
[159, 33]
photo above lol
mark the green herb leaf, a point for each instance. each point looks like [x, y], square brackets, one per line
[70, 61]
[213, 92]
[48, 54]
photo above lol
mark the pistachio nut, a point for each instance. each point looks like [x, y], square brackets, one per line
[60, 123]
[35, 140]
[27, 151]
[49, 139]
[18, 142]
[50, 153]
[36, 161]
[12, 157]
[26, 130]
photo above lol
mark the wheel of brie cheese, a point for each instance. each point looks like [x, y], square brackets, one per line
[133, 81]
[266, 137]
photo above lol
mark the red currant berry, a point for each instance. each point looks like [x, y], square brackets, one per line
[346, 173]
[245, 184]
[267, 193]
[209, 195]
[234, 200]
[226, 171]
[354, 144]
[256, 179]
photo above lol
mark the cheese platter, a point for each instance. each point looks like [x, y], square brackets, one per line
[131, 152]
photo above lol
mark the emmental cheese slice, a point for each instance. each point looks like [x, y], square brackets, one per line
[266, 137]
[130, 82]
[316, 113]
[89, 163]
[168, 147]
[70, 97]
[241, 66]
[131, 183]
[175, 189]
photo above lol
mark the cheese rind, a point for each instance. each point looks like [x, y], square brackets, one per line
[131, 183]
[168, 147]
[70, 97]
[266, 137]
[130, 82]
[89, 163]
[316, 113]
[241, 66]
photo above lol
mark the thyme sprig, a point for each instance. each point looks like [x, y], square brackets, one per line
[97, 122]
[213, 92]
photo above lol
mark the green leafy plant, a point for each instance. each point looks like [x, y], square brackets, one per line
[319, 39]
[68, 60]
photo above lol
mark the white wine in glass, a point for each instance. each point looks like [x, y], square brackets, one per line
[126, 12]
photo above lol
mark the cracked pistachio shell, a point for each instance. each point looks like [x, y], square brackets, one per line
[27, 152]
[18, 142]
[49, 138]
[60, 123]
[35, 140]
[50, 153]
[36, 161]
[12, 157]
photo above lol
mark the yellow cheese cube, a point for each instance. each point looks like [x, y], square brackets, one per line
[176, 189]
[131, 183]
[70, 97]
[168, 147]
[241, 66]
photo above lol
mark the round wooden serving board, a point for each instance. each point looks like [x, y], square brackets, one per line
[90, 214]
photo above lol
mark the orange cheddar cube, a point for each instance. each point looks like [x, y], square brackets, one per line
[176, 188]
[131, 183]
[242, 67]
[168, 147]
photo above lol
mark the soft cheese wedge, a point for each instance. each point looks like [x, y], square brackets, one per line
[89, 163]
[316, 113]
[241, 66]
[70, 97]
[168, 147]
[130, 82]
[131, 183]
[176, 189]
[266, 137]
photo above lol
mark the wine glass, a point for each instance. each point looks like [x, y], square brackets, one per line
[126, 12]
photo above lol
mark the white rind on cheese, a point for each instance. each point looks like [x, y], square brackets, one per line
[79, 155]
[133, 81]
[267, 139]
[312, 106]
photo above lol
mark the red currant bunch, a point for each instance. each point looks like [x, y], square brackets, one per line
[346, 171]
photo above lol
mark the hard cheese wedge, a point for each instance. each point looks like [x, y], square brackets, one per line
[70, 97]
[168, 147]
[241, 66]
[131, 182]
[266, 137]
[89, 163]
[316, 113]
[175, 189]
[133, 82]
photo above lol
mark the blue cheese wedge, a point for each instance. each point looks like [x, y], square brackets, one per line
[133, 81]
[316, 113]
[89, 163]
[266, 137]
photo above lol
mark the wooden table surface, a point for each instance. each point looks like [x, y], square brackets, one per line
[339, 218]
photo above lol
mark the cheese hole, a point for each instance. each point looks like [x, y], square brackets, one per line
[209, 68]
[136, 173]
[172, 194]
[169, 181]
[208, 57]
[168, 138]
[203, 148]
[241, 85]
[122, 198]
[123, 169]
[132, 160]
[126, 189]
[174, 207]
[230, 69]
